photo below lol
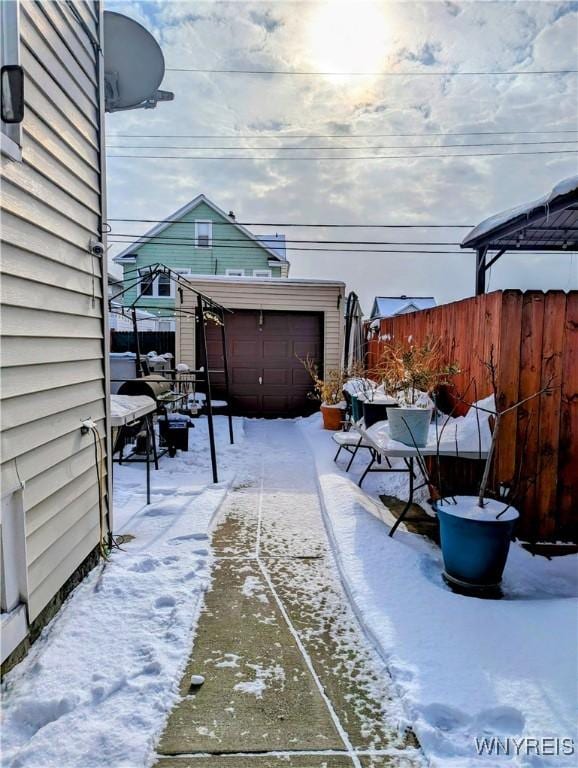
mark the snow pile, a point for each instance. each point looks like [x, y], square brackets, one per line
[450, 435]
[467, 508]
[465, 668]
[357, 385]
[96, 688]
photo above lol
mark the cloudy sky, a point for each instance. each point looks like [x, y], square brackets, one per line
[265, 111]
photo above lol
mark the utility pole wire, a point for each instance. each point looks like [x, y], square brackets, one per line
[332, 135]
[349, 148]
[345, 157]
[197, 70]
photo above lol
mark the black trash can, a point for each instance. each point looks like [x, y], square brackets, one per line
[174, 432]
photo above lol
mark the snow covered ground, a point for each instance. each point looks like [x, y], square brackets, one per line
[96, 688]
[465, 668]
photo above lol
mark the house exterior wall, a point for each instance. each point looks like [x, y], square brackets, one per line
[240, 252]
[53, 325]
[282, 295]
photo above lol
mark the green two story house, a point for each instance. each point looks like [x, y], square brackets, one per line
[198, 239]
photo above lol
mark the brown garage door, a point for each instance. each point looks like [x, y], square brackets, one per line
[266, 375]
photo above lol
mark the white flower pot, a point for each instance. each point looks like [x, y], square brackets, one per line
[409, 426]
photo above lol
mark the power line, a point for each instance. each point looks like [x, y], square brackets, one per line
[278, 225]
[398, 251]
[218, 240]
[332, 135]
[197, 70]
[336, 149]
[159, 244]
[345, 157]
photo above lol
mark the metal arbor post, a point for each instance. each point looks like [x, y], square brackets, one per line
[205, 364]
[139, 366]
[481, 270]
[226, 372]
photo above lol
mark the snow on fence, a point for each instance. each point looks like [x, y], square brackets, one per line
[534, 336]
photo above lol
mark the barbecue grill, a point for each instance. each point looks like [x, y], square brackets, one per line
[173, 431]
[154, 385]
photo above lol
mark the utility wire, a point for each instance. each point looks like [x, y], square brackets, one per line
[277, 226]
[349, 148]
[293, 224]
[345, 157]
[225, 240]
[252, 247]
[572, 247]
[197, 70]
[331, 135]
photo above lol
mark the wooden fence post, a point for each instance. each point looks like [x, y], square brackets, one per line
[549, 427]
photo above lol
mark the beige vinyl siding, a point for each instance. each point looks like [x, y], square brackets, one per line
[282, 295]
[52, 289]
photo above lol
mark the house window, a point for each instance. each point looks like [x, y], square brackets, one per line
[146, 286]
[261, 273]
[11, 133]
[235, 272]
[160, 286]
[164, 285]
[203, 234]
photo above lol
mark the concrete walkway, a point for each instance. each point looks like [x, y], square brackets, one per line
[290, 678]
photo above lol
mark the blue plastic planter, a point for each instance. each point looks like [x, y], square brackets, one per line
[474, 551]
[356, 409]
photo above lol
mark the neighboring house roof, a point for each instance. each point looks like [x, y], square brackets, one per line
[388, 306]
[174, 219]
[275, 243]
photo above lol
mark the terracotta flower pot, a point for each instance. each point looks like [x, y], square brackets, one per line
[332, 416]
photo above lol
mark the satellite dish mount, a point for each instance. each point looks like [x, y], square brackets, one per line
[134, 65]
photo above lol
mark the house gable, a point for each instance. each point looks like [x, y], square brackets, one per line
[173, 243]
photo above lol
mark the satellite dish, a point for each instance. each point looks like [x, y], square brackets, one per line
[134, 65]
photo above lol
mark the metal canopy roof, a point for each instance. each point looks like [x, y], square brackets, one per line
[547, 224]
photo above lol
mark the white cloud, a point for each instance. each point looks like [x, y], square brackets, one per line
[460, 36]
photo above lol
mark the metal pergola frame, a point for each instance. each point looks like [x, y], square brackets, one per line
[206, 309]
[546, 226]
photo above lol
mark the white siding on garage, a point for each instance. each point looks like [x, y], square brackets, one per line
[53, 332]
[289, 295]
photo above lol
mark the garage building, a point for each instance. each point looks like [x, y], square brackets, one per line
[275, 324]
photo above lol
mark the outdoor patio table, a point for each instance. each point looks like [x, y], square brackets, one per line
[128, 409]
[382, 446]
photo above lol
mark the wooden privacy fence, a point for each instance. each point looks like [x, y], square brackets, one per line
[534, 336]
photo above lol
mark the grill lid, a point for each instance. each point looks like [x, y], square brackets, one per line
[154, 386]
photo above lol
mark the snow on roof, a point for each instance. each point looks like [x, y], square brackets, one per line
[274, 243]
[561, 189]
[387, 306]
